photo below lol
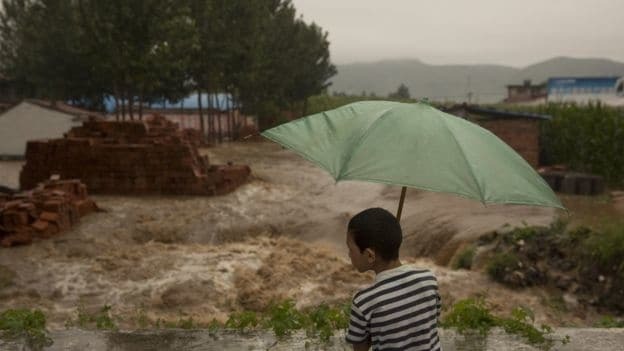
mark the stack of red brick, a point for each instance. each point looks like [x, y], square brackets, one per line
[49, 209]
[130, 158]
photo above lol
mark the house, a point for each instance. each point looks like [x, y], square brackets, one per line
[224, 114]
[583, 90]
[519, 130]
[526, 92]
[36, 119]
[8, 93]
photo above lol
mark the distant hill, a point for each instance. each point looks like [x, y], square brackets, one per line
[452, 82]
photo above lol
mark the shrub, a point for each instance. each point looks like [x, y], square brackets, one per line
[500, 265]
[464, 258]
[587, 138]
[606, 249]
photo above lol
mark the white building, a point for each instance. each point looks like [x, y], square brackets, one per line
[33, 120]
[583, 90]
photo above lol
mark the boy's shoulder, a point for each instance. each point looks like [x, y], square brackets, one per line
[386, 281]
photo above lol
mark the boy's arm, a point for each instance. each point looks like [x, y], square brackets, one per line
[438, 305]
[358, 331]
[363, 346]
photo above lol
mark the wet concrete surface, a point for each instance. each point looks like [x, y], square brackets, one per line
[581, 339]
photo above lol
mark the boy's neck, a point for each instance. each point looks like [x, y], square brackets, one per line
[386, 265]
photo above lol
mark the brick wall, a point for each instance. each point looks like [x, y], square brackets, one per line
[519, 133]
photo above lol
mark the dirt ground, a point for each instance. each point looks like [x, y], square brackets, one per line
[281, 235]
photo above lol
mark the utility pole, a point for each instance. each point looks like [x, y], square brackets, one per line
[469, 92]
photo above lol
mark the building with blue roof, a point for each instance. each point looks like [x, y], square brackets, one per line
[223, 114]
[221, 102]
[583, 90]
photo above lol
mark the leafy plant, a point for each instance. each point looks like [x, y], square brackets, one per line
[470, 315]
[283, 318]
[27, 324]
[521, 323]
[325, 320]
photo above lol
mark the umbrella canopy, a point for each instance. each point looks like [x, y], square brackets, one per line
[415, 145]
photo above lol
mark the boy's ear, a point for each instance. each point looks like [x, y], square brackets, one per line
[370, 255]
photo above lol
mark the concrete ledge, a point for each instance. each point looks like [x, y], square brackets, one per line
[224, 340]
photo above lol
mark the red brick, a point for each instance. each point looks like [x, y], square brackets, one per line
[49, 216]
[40, 225]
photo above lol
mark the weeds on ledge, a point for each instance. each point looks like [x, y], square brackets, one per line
[473, 315]
[283, 319]
[25, 324]
[101, 320]
[610, 322]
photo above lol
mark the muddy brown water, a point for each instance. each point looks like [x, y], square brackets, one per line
[279, 236]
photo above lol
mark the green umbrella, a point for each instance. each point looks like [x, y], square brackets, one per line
[415, 145]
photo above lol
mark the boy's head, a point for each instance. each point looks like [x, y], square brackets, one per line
[373, 236]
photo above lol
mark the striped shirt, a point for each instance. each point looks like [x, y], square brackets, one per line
[399, 311]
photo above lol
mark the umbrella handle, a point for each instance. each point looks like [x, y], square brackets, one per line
[403, 191]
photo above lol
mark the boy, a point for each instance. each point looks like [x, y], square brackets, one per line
[400, 310]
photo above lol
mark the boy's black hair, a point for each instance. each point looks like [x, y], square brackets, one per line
[379, 230]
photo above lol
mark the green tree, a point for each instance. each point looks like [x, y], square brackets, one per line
[292, 64]
[402, 93]
[141, 51]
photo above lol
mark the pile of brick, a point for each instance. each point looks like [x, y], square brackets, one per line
[110, 157]
[563, 181]
[51, 208]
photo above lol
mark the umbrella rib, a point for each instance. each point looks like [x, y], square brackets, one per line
[359, 141]
[474, 177]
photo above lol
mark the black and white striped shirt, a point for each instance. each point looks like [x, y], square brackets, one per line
[398, 312]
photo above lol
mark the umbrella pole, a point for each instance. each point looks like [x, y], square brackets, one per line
[398, 216]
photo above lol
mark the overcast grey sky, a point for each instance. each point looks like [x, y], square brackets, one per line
[509, 32]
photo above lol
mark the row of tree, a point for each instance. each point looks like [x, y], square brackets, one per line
[260, 52]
